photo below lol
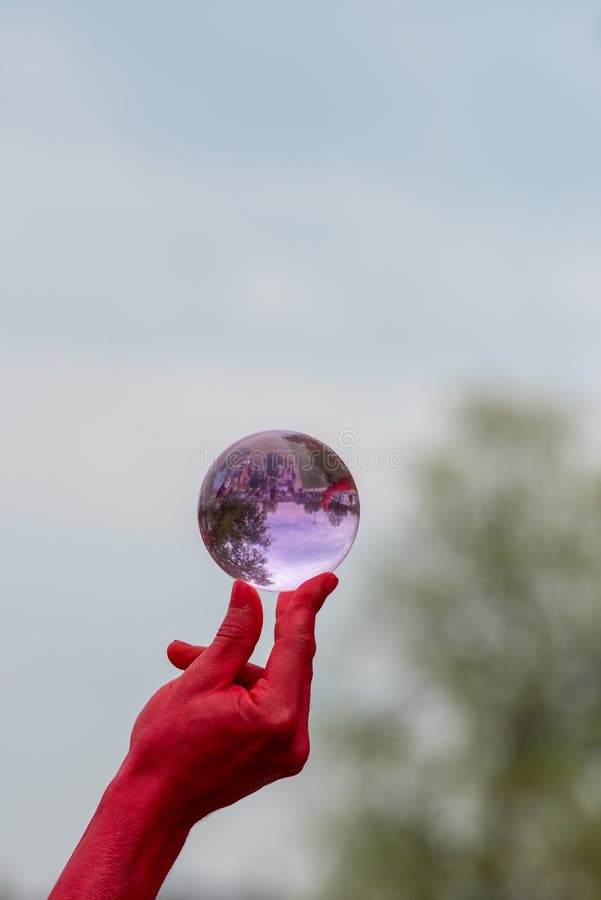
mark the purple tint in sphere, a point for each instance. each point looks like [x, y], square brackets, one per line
[276, 508]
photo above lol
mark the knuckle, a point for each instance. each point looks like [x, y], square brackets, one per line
[281, 723]
[233, 627]
[303, 640]
[311, 643]
[309, 599]
[296, 636]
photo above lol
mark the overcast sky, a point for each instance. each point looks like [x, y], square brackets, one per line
[222, 217]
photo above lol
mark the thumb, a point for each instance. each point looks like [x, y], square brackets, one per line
[234, 642]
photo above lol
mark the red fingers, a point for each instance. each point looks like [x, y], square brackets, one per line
[181, 655]
[285, 681]
[223, 660]
[289, 668]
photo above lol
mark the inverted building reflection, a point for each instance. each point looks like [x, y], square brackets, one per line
[259, 497]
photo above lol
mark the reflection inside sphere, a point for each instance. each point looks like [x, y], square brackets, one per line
[278, 507]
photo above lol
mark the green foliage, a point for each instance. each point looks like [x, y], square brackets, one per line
[475, 774]
[237, 535]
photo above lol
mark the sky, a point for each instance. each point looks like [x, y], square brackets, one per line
[219, 218]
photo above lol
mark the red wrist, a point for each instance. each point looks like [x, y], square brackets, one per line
[128, 847]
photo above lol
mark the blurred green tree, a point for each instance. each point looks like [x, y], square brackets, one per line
[472, 759]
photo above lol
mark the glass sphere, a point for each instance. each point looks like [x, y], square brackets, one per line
[276, 508]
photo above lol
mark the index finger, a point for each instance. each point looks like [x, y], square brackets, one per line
[289, 667]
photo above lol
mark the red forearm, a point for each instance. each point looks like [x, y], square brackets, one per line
[219, 732]
[126, 850]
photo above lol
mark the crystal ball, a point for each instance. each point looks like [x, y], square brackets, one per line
[278, 507]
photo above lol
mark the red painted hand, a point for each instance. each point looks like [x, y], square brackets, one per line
[220, 731]
[226, 727]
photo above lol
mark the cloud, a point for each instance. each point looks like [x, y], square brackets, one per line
[286, 296]
[124, 443]
[118, 253]
[56, 85]
[119, 242]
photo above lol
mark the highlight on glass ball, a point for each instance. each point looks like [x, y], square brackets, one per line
[278, 507]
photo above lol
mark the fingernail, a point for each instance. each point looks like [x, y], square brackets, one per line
[239, 598]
